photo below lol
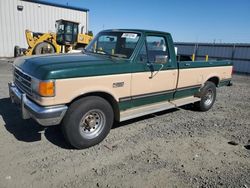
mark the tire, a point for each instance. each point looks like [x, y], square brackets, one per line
[87, 122]
[208, 96]
[44, 48]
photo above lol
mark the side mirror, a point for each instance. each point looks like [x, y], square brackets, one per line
[161, 59]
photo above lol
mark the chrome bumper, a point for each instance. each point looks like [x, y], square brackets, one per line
[45, 116]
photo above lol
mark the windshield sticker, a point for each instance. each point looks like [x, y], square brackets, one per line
[129, 35]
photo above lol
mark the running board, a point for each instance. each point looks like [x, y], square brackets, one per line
[155, 107]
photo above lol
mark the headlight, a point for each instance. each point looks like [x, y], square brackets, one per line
[43, 88]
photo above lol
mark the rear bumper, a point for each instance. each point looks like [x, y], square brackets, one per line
[45, 116]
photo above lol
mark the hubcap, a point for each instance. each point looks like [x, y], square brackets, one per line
[209, 97]
[92, 123]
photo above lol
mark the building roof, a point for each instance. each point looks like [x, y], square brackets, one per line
[57, 5]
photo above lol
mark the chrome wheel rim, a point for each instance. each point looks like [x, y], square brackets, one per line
[209, 97]
[92, 123]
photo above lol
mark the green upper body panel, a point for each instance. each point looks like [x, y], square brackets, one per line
[73, 65]
[61, 66]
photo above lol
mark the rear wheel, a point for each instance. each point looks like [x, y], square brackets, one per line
[208, 96]
[87, 122]
[44, 48]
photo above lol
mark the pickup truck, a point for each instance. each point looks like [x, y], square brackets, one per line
[122, 74]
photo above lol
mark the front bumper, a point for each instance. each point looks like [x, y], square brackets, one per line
[45, 116]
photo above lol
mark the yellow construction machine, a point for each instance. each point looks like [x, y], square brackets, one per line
[66, 39]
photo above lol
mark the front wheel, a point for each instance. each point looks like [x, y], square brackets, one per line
[44, 48]
[208, 96]
[87, 122]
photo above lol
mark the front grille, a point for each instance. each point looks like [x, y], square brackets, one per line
[23, 82]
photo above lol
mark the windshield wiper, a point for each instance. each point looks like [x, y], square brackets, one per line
[96, 52]
[85, 50]
[103, 52]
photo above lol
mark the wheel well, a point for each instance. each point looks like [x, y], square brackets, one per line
[107, 97]
[215, 80]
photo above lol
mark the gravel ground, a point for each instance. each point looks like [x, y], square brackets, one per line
[175, 148]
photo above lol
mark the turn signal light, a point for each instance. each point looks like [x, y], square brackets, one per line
[46, 89]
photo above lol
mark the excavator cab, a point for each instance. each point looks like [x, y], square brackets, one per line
[66, 32]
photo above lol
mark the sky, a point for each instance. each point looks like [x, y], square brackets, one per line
[222, 21]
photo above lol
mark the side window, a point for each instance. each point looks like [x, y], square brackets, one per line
[157, 49]
[143, 57]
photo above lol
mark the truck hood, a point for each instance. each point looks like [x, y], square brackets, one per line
[45, 67]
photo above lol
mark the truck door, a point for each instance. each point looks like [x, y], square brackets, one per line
[154, 74]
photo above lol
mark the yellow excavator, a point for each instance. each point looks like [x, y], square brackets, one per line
[66, 39]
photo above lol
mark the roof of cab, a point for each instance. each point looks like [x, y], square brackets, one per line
[136, 30]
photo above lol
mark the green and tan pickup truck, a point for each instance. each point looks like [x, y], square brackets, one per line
[122, 74]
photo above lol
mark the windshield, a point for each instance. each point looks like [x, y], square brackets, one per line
[118, 44]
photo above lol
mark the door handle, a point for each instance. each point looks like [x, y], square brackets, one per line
[154, 74]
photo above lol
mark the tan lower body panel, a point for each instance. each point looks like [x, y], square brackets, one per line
[156, 107]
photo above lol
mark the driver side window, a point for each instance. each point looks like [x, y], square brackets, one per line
[154, 50]
[157, 49]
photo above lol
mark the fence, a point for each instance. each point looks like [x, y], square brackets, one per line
[238, 53]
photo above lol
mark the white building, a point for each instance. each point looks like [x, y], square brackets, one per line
[35, 15]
